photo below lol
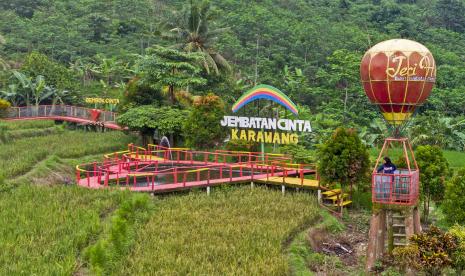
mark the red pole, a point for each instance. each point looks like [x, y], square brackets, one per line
[175, 177]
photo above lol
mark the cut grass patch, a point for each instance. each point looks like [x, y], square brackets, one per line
[239, 231]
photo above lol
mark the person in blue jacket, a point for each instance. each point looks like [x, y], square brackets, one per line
[388, 167]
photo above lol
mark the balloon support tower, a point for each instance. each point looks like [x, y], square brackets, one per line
[395, 215]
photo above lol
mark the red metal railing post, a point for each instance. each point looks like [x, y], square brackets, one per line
[78, 176]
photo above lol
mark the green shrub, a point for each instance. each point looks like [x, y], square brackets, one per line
[343, 158]
[434, 169]
[202, 128]
[453, 204]
[458, 256]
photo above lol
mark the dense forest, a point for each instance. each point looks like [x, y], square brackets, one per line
[311, 50]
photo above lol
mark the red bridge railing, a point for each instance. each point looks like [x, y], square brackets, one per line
[58, 111]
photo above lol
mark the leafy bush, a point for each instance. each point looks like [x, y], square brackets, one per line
[430, 251]
[343, 158]
[454, 199]
[458, 256]
[4, 105]
[202, 128]
[434, 169]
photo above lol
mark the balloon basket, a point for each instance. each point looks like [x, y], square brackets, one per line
[402, 186]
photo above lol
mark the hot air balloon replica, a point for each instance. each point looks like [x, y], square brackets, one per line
[397, 76]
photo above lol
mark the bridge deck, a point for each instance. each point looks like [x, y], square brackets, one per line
[290, 181]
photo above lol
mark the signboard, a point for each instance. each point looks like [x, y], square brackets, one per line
[265, 130]
[102, 100]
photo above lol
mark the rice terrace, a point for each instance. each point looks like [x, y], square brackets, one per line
[210, 137]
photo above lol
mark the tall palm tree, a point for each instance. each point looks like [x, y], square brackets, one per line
[194, 35]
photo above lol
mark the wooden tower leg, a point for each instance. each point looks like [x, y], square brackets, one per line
[409, 225]
[372, 241]
[381, 234]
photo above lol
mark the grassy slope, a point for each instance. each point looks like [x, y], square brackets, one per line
[44, 228]
[237, 231]
[20, 155]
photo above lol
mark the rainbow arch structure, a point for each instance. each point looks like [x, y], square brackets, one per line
[267, 92]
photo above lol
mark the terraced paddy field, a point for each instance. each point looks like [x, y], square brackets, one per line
[49, 226]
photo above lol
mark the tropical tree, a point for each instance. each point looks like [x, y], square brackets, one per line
[193, 34]
[146, 119]
[169, 71]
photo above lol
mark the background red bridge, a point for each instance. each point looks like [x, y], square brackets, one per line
[67, 113]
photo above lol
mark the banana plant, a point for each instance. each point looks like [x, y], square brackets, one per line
[34, 89]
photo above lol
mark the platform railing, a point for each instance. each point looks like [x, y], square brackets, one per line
[138, 162]
[400, 188]
[43, 111]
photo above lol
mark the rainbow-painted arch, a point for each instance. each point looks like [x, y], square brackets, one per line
[268, 92]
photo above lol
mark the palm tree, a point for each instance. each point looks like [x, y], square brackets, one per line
[3, 64]
[194, 35]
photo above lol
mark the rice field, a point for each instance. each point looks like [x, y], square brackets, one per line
[49, 228]
[20, 155]
[237, 230]
[44, 228]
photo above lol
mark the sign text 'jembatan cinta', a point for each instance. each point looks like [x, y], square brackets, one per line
[265, 130]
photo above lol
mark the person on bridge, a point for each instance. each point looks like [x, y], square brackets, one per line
[388, 167]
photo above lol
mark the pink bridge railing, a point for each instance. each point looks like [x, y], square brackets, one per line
[56, 111]
[137, 165]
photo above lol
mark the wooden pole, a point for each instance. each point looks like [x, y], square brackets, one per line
[372, 242]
